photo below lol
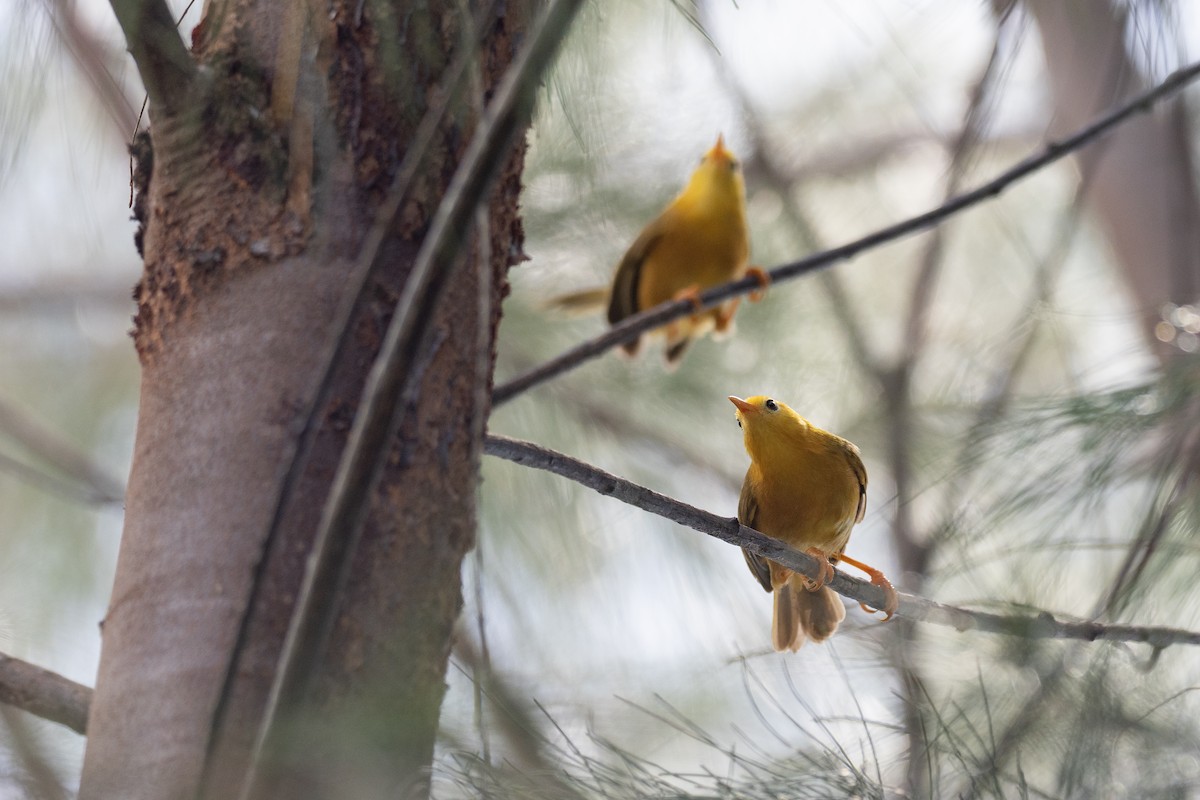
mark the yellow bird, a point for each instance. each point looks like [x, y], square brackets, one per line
[699, 241]
[808, 488]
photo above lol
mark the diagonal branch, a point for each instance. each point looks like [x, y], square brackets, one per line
[92, 57]
[44, 693]
[1038, 626]
[162, 60]
[53, 484]
[633, 327]
[98, 486]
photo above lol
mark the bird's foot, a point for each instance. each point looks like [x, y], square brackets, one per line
[891, 599]
[813, 584]
[724, 319]
[764, 280]
[692, 295]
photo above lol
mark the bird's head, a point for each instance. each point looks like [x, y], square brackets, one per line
[766, 422]
[717, 181]
[719, 156]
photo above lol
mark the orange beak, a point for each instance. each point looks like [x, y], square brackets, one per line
[718, 151]
[742, 405]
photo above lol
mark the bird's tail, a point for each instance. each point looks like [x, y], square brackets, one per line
[585, 301]
[801, 614]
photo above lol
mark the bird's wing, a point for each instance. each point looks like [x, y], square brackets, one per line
[760, 568]
[623, 301]
[860, 472]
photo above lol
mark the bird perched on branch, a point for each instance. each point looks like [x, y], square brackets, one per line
[808, 488]
[699, 241]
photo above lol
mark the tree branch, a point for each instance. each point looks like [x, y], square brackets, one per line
[98, 486]
[162, 60]
[1036, 626]
[92, 57]
[633, 327]
[44, 693]
[46, 482]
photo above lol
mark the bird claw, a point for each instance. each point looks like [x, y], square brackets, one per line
[826, 574]
[764, 280]
[725, 314]
[692, 295]
[891, 598]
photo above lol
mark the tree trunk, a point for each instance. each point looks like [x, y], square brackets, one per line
[1139, 180]
[265, 180]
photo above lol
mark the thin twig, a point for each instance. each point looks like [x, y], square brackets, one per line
[381, 408]
[515, 722]
[163, 61]
[49, 446]
[1038, 626]
[44, 481]
[638, 324]
[1185, 461]
[481, 661]
[92, 57]
[44, 693]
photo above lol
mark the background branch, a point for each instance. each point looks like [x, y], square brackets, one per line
[1042, 625]
[162, 60]
[47, 445]
[92, 56]
[44, 693]
[65, 297]
[633, 327]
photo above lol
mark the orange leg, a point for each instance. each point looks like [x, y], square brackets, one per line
[826, 570]
[725, 314]
[878, 579]
[691, 294]
[764, 280]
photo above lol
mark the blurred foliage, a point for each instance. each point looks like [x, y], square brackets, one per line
[1039, 438]
[66, 366]
[1048, 456]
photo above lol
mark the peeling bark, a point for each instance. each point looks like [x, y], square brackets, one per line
[245, 266]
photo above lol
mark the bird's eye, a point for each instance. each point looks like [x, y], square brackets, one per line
[739, 421]
[771, 405]
[733, 164]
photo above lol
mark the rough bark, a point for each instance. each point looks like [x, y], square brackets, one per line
[1140, 181]
[259, 197]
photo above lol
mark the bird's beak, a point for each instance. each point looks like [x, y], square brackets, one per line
[718, 151]
[742, 405]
